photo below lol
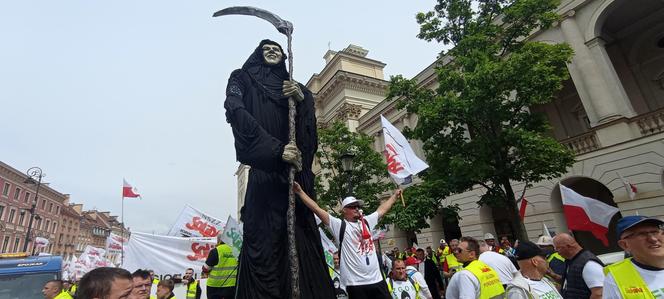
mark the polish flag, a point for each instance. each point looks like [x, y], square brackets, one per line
[128, 190]
[522, 208]
[629, 187]
[587, 214]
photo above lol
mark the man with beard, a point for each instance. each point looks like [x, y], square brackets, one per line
[257, 109]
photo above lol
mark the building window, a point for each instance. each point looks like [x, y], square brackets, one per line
[39, 221]
[5, 243]
[50, 207]
[26, 197]
[2, 209]
[21, 217]
[5, 190]
[55, 227]
[17, 241]
[48, 223]
[12, 213]
[17, 193]
[43, 205]
[57, 210]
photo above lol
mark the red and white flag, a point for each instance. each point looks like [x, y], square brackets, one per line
[402, 163]
[629, 187]
[587, 214]
[128, 190]
[522, 208]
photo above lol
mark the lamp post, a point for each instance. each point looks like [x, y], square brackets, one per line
[33, 173]
[347, 165]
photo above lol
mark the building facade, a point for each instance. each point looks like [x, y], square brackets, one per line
[610, 113]
[70, 220]
[16, 199]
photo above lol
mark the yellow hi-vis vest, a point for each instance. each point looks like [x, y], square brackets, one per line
[490, 285]
[72, 290]
[191, 290]
[555, 255]
[63, 295]
[628, 280]
[224, 273]
[452, 263]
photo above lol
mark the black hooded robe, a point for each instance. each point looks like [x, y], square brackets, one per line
[258, 113]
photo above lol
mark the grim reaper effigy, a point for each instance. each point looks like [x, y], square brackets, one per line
[257, 107]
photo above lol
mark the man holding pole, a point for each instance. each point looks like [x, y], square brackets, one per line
[222, 268]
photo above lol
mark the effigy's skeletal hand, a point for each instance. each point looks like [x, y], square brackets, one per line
[292, 89]
[292, 156]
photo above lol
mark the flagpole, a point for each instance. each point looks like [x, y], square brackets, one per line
[122, 226]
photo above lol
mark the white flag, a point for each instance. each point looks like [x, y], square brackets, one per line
[194, 223]
[233, 236]
[402, 163]
[114, 243]
[629, 187]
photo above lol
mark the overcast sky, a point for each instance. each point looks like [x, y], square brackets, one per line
[94, 91]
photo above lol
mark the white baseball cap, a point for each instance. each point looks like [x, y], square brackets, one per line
[349, 200]
[442, 241]
[545, 241]
[488, 236]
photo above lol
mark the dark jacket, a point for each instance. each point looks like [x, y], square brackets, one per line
[432, 276]
[574, 285]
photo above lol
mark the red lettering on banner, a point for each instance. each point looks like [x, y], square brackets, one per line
[200, 252]
[393, 166]
[202, 227]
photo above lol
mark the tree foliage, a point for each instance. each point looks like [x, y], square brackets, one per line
[476, 126]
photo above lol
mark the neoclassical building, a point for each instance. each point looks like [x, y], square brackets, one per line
[610, 113]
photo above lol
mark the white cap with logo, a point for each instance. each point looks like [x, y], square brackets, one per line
[350, 200]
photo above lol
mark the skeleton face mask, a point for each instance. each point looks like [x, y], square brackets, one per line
[272, 54]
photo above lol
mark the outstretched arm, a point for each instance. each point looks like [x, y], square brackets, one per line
[311, 204]
[387, 205]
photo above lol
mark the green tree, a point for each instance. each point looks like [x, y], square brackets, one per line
[476, 126]
[369, 175]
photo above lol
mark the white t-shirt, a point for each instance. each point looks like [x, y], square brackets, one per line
[543, 289]
[463, 285]
[654, 280]
[356, 269]
[499, 263]
[401, 289]
[593, 275]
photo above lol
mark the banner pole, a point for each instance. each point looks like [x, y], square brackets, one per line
[122, 227]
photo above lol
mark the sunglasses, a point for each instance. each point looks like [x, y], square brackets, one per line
[352, 207]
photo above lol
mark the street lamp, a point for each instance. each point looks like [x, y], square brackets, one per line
[33, 173]
[347, 165]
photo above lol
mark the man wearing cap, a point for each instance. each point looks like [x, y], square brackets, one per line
[491, 241]
[412, 265]
[359, 263]
[557, 264]
[477, 279]
[584, 277]
[442, 251]
[530, 281]
[641, 276]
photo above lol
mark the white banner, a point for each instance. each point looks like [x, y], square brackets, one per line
[166, 255]
[114, 243]
[402, 163]
[194, 223]
[233, 235]
[41, 242]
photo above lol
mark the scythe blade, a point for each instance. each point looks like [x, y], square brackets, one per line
[282, 25]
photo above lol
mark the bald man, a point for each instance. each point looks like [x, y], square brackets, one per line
[584, 277]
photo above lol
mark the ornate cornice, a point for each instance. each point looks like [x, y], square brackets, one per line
[349, 111]
[346, 80]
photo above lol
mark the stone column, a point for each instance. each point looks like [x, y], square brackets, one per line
[620, 99]
[601, 106]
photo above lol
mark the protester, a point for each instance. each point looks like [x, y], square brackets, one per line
[642, 276]
[154, 278]
[451, 265]
[105, 283]
[53, 289]
[165, 289]
[491, 241]
[498, 262]
[222, 267]
[412, 265]
[191, 284]
[360, 267]
[430, 272]
[477, 279]
[399, 284]
[507, 246]
[142, 282]
[339, 288]
[584, 277]
[529, 282]
[557, 264]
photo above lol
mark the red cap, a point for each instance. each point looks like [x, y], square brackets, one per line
[410, 261]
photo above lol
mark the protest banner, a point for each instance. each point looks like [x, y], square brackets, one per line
[233, 235]
[402, 163]
[114, 243]
[166, 255]
[41, 242]
[194, 223]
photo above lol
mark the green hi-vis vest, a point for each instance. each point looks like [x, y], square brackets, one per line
[490, 285]
[452, 263]
[628, 280]
[555, 255]
[224, 273]
[415, 284]
[191, 290]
